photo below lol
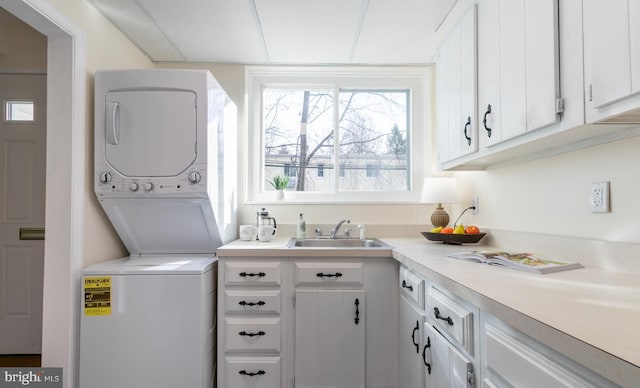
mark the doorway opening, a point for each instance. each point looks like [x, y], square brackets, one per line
[64, 195]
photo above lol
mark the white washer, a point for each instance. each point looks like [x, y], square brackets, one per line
[148, 322]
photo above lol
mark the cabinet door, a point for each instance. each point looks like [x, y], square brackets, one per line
[456, 81]
[607, 45]
[518, 64]
[329, 338]
[442, 102]
[489, 107]
[542, 60]
[447, 367]
[411, 365]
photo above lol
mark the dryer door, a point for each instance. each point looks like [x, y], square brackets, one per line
[150, 133]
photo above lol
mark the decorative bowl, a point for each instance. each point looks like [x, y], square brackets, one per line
[453, 239]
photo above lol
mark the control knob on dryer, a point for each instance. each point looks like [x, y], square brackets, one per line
[148, 186]
[105, 177]
[194, 177]
[134, 186]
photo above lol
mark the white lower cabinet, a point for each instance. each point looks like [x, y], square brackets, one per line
[411, 365]
[329, 338]
[446, 367]
[512, 359]
[313, 322]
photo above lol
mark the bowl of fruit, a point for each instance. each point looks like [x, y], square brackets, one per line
[457, 235]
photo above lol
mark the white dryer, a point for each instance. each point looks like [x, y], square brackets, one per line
[165, 163]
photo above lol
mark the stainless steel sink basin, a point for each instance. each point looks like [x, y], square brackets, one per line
[346, 243]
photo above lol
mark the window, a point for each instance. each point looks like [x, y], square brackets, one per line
[367, 121]
[19, 111]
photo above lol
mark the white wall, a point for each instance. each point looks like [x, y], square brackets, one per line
[551, 196]
[22, 49]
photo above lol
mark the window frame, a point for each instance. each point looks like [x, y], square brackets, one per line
[415, 78]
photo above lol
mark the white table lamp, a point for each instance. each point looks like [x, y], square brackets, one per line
[439, 191]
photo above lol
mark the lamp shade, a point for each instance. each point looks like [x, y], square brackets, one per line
[439, 190]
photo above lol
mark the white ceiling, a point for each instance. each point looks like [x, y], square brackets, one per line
[281, 31]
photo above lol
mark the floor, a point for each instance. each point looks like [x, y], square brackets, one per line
[19, 360]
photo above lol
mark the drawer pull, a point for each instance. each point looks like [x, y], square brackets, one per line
[357, 318]
[259, 274]
[436, 311]
[251, 374]
[413, 337]
[404, 285]
[467, 125]
[424, 355]
[484, 120]
[251, 304]
[245, 334]
[329, 275]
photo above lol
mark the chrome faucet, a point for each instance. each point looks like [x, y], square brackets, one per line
[334, 231]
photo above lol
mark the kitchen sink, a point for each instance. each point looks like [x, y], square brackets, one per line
[346, 243]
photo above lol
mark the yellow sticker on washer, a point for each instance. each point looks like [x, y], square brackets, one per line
[97, 296]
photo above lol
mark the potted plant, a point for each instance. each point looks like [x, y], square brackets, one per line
[280, 183]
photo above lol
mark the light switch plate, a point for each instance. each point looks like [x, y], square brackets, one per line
[600, 197]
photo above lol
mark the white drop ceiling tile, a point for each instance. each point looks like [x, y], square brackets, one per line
[127, 16]
[395, 33]
[315, 31]
[206, 30]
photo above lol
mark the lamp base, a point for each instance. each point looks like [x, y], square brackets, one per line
[439, 217]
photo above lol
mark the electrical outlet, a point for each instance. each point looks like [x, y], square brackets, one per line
[474, 203]
[600, 197]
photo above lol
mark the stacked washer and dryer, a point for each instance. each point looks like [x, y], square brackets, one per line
[165, 175]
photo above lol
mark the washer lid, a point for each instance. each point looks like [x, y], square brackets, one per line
[153, 265]
[150, 133]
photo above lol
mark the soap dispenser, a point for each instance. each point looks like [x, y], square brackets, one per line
[301, 228]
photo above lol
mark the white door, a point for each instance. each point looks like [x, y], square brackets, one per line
[410, 362]
[448, 368]
[22, 205]
[329, 339]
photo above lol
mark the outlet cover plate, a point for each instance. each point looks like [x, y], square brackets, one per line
[600, 197]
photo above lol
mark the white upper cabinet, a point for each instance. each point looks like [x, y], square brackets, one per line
[518, 67]
[456, 95]
[530, 83]
[612, 56]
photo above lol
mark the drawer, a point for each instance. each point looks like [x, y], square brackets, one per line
[511, 358]
[412, 286]
[263, 302]
[252, 334]
[351, 273]
[451, 318]
[252, 372]
[253, 272]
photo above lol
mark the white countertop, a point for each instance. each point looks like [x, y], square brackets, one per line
[591, 315]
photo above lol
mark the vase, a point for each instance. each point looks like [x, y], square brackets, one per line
[279, 195]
